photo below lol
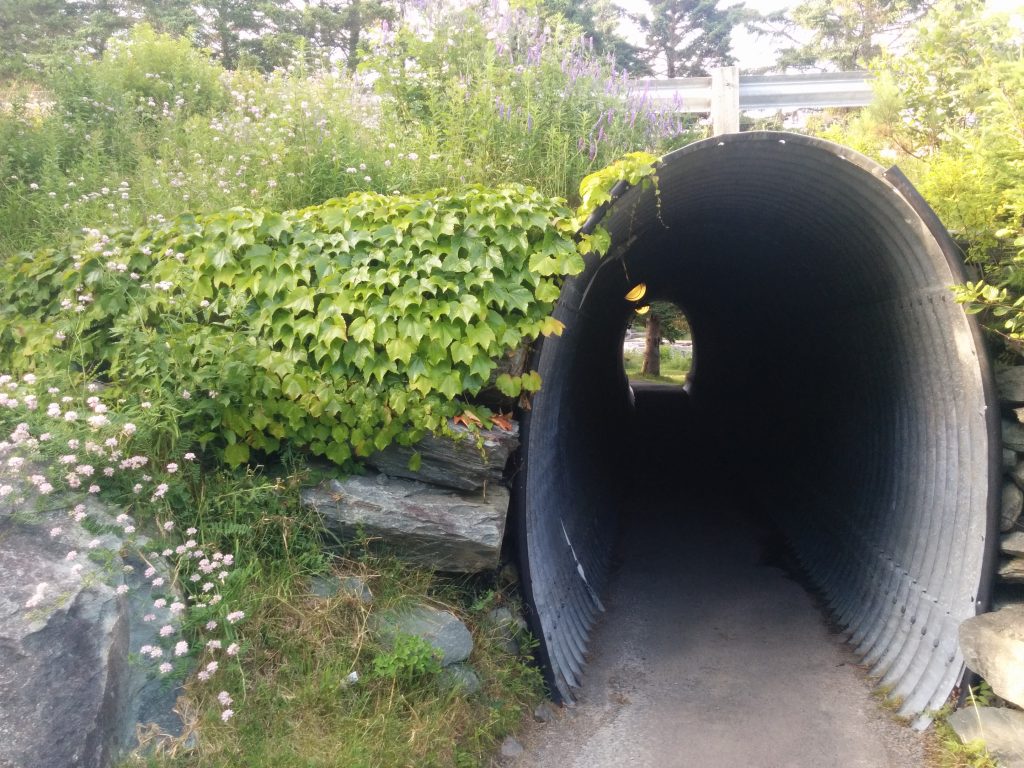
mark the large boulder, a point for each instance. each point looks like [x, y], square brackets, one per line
[1001, 730]
[993, 646]
[63, 664]
[468, 461]
[69, 694]
[426, 525]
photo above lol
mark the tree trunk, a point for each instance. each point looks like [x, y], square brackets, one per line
[652, 346]
[355, 27]
[228, 49]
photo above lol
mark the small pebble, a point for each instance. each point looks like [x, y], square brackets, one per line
[545, 712]
[510, 748]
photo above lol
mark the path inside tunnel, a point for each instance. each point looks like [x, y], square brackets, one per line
[711, 652]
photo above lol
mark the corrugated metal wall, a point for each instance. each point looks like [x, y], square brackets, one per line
[817, 288]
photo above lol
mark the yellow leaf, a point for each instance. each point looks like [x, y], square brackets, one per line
[551, 326]
[637, 292]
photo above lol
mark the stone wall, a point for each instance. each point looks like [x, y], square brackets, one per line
[1009, 586]
[993, 643]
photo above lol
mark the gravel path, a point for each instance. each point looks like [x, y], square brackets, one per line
[708, 657]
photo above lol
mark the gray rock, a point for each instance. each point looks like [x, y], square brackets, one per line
[1001, 730]
[993, 646]
[1011, 570]
[442, 629]
[1016, 472]
[1012, 503]
[69, 693]
[1009, 458]
[461, 676]
[508, 625]
[510, 748]
[63, 665]
[1012, 544]
[1013, 435]
[325, 585]
[545, 712]
[151, 698]
[428, 526]
[353, 586]
[1010, 383]
[459, 462]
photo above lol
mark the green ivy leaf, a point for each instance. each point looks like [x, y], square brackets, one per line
[236, 454]
[509, 386]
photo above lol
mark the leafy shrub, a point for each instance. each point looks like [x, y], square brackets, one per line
[411, 658]
[949, 112]
[150, 72]
[340, 327]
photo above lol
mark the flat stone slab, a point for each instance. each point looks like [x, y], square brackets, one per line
[429, 526]
[1012, 544]
[1013, 435]
[1010, 383]
[993, 646]
[1011, 506]
[1011, 570]
[1001, 730]
[470, 461]
[442, 629]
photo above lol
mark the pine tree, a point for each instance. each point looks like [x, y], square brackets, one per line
[690, 37]
[599, 21]
[845, 34]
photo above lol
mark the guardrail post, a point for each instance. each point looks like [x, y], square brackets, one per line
[725, 100]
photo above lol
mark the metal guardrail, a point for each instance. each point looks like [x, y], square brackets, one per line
[800, 91]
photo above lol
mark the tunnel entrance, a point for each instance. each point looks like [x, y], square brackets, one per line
[833, 360]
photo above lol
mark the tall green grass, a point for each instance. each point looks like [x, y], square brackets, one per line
[155, 128]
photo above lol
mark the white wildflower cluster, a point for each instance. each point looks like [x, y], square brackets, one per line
[81, 465]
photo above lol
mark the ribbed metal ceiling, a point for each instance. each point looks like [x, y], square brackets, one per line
[817, 288]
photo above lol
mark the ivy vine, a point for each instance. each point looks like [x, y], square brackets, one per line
[341, 327]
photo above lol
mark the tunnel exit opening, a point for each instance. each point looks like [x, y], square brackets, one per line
[840, 387]
[657, 344]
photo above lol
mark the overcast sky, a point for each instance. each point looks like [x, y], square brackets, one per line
[752, 52]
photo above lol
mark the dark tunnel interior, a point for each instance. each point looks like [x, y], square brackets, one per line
[837, 383]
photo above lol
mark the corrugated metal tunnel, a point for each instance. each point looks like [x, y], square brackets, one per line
[828, 345]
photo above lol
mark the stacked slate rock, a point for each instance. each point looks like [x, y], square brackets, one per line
[993, 646]
[447, 514]
[1010, 579]
[993, 643]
